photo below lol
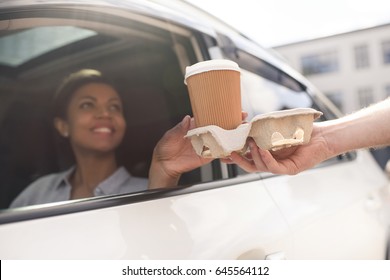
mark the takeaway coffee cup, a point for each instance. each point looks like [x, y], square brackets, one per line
[215, 93]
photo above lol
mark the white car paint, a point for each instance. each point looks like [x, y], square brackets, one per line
[335, 212]
[233, 222]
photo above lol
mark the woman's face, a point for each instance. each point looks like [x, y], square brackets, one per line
[95, 121]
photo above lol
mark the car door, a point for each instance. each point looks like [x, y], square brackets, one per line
[335, 210]
[209, 216]
[339, 213]
[230, 222]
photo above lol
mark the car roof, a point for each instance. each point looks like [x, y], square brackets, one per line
[176, 11]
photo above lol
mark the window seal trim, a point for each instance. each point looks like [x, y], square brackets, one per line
[70, 207]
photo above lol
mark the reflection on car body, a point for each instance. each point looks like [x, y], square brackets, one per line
[218, 211]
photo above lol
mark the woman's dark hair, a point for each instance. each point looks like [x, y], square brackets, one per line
[72, 83]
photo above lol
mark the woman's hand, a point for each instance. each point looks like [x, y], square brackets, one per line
[174, 155]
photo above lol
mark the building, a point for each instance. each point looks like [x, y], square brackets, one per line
[352, 69]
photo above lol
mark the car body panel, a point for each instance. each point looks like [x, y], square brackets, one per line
[335, 195]
[179, 227]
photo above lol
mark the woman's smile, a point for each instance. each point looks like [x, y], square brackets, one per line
[103, 129]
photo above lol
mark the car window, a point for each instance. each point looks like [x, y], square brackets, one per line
[262, 95]
[145, 60]
[266, 88]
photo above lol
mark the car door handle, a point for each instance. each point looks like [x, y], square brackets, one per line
[276, 256]
[373, 202]
[253, 254]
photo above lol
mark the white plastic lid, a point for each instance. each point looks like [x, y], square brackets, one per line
[210, 65]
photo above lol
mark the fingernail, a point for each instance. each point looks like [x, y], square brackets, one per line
[185, 120]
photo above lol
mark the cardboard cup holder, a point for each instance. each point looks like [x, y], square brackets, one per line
[271, 131]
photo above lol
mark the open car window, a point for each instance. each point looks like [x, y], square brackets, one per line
[145, 60]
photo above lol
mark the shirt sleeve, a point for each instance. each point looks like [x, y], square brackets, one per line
[43, 190]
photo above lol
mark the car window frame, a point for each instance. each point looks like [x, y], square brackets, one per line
[93, 203]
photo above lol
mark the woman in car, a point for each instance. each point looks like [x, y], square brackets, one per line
[89, 113]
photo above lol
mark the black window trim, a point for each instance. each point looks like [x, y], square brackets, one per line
[48, 210]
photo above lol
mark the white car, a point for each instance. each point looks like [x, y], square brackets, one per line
[336, 210]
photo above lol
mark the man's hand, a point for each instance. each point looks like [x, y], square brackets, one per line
[285, 161]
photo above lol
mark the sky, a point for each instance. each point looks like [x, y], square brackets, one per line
[277, 22]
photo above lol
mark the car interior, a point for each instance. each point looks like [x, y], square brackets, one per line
[142, 63]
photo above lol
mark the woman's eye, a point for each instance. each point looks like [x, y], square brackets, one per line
[86, 105]
[115, 107]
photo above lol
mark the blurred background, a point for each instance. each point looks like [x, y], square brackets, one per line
[279, 22]
[341, 46]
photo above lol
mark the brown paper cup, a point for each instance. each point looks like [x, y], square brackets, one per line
[215, 93]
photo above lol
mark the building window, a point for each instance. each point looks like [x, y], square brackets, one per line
[387, 91]
[361, 57]
[319, 63]
[337, 99]
[365, 96]
[386, 52]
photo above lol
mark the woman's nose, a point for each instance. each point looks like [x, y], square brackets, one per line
[103, 112]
